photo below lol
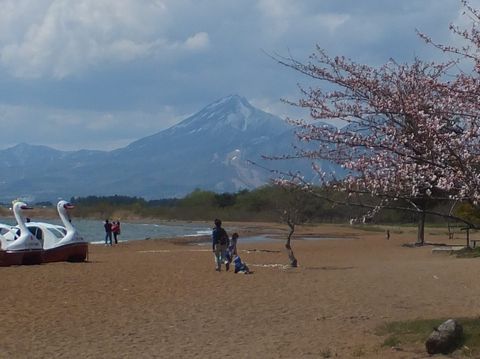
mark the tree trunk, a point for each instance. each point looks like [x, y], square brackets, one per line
[291, 256]
[450, 231]
[421, 229]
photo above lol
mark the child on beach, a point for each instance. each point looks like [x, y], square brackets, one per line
[231, 250]
[240, 266]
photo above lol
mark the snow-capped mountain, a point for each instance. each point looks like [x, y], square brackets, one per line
[210, 150]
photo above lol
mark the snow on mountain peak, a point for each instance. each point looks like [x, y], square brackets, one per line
[232, 111]
[231, 101]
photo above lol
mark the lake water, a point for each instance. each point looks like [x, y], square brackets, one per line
[92, 230]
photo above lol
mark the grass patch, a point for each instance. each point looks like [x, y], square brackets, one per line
[326, 353]
[413, 334]
[410, 332]
[468, 253]
[392, 341]
[359, 352]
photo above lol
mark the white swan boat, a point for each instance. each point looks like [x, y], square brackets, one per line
[60, 243]
[18, 244]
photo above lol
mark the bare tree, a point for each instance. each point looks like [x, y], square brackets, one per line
[292, 205]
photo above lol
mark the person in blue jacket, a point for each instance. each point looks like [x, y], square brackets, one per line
[240, 266]
[108, 232]
[219, 245]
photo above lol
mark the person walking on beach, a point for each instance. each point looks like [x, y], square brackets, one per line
[219, 245]
[115, 230]
[108, 232]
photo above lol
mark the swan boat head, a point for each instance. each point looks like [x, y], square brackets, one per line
[25, 240]
[55, 235]
[7, 235]
[64, 205]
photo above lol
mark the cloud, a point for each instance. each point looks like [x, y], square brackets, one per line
[332, 21]
[198, 41]
[103, 73]
[65, 38]
[278, 10]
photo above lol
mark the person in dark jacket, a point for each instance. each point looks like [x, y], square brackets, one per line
[219, 245]
[108, 232]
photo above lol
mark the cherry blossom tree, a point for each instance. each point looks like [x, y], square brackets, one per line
[292, 205]
[410, 132]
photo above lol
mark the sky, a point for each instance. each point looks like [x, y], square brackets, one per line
[100, 74]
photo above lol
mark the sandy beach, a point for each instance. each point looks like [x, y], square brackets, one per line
[163, 299]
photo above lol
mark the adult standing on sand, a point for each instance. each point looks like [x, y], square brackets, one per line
[219, 245]
[108, 232]
[116, 231]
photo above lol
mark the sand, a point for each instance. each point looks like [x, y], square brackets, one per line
[163, 299]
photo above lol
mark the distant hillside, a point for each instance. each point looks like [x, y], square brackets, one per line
[209, 150]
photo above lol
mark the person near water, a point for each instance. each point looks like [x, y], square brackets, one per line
[108, 232]
[115, 231]
[219, 245]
